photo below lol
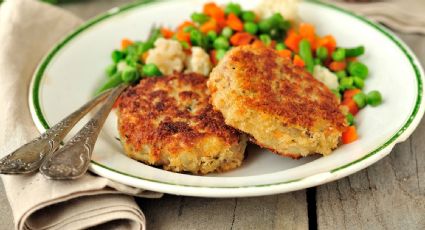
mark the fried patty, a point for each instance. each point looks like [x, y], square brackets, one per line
[168, 122]
[281, 106]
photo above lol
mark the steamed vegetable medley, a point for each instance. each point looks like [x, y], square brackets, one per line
[198, 45]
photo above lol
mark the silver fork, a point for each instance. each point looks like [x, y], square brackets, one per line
[73, 159]
[28, 158]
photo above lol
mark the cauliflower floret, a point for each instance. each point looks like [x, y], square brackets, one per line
[168, 56]
[198, 62]
[288, 9]
[326, 77]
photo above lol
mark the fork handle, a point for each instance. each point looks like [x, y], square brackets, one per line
[73, 159]
[29, 157]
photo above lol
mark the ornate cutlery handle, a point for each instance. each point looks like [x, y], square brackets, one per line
[73, 159]
[29, 157]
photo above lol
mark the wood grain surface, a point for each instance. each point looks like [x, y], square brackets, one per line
[387, 195]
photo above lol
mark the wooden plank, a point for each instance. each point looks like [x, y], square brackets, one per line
[387, 195]
[284, 211]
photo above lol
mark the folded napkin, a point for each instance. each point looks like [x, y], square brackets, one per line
[28, 29]
[406, 16]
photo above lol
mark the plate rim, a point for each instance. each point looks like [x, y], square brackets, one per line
[343, 170]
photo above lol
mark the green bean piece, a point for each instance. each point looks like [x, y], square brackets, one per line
[220, 54]
[200, 18]
[306, 55]
[337, 94]
[111, 70]
[341, 74]
[117, 56]
[233, 8]
[187, 29]
[358, 69]
[250, 27]
[221, 43]
[151, 70]
[317, 61]
[184, 44]
[227, 32]
[112, 82]
[248, 16]
[322, 52]
[280, 46]
[374, 98]
[358, 82]
[354, 52]
[266, 39]
[338, 54]
[129, 74]
[350, 119]
[360, 100]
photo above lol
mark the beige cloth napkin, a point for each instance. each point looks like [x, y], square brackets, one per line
[28, 29]
[406, 16]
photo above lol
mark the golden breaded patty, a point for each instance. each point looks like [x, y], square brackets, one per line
[168, 121]
[282, 107]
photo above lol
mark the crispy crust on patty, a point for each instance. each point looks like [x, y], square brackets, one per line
[168, 121]
[280, 105]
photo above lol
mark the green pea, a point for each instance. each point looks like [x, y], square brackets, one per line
[111, 70]
[341, 74]
[199, 18]
[129, 74]
[248, 16]
[350, 119]
[113, 81]
[358, 69]
[211, 37]
[220, 54]
[233, 8]
[265, 38]
[221, 43]
[277, 20]
[358, 82]
[346, 83]
[322, 52]
[250, 27]
[117, 56]
[280, 46]
[151, 70]
[306, 54]
[227, 32]
[360, 100]
[374, 98]
[197, 38]
[265, 26]
[338, 54]
[354, 52]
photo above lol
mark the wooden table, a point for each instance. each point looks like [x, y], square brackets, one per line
[388, 195]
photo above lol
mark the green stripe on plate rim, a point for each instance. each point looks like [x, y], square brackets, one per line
[40, 72]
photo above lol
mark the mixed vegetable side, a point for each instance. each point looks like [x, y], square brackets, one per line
[217, 29]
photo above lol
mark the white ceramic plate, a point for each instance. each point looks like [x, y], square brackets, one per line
[70, 73]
